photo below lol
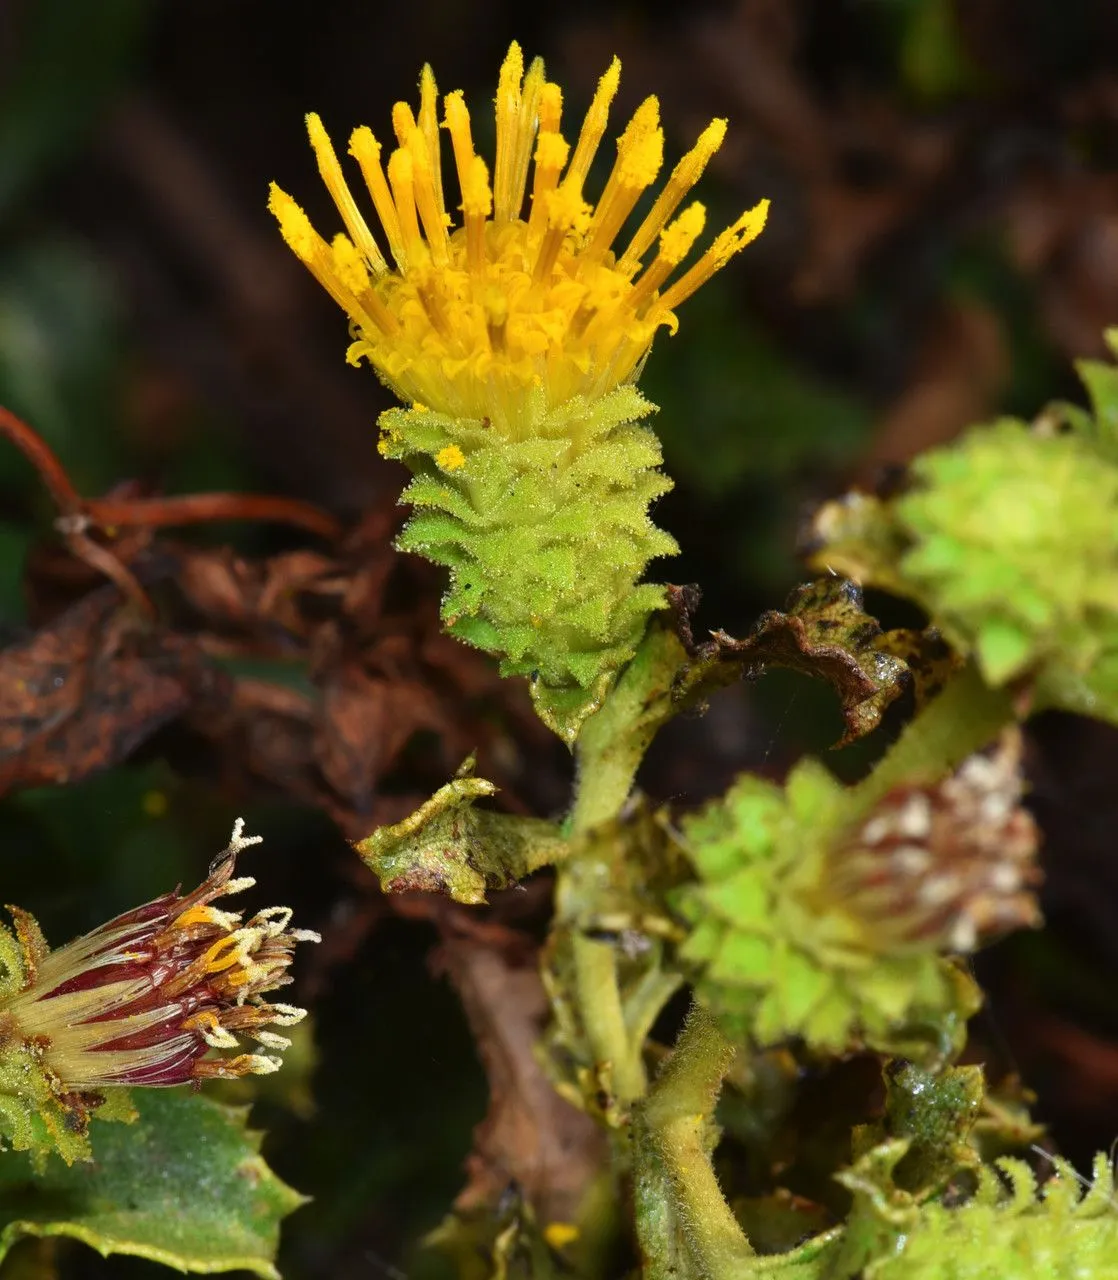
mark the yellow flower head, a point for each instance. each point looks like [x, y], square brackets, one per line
[527, 303]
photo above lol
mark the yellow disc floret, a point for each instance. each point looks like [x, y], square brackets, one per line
[529, 301]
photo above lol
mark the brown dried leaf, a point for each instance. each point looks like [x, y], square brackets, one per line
[531, 1137]
[82, 692]
[960, 374]
[228, 590]
[364, 724]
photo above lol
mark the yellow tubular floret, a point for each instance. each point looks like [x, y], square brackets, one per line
[403, 122]
[640, 154]
[365, 149]
[431, 212]
[551, 107]
[310, 248]
[551, 155]
[429, 124]
[748, 227]
[684, 176]
[477, 204]
[564, 206]
[593, 127]
[456, 118]
[332, 176]
[676, 242]
[401, 178]
[524, 299]
[508, 120]
[525, 134]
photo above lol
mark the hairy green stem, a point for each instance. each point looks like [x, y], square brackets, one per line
[670, 1136]
[603, 1018]
[610, 748]
[613, 741]
[962, 719]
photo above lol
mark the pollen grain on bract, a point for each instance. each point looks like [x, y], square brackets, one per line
[531, 300]
[143, 999]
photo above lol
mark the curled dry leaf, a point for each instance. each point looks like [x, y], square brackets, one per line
[823, 632]
[530, 1137]
[85, 690]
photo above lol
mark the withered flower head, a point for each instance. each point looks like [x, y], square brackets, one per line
[144, 998]
[948, 866]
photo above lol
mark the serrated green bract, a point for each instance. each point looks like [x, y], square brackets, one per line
[545, 538]
[1009, 539]
[185, 1186]
[778, 956]
[1005, 1230]
[1013, 539]
[36, 1116]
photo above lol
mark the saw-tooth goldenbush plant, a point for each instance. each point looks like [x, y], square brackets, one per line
[811, 921]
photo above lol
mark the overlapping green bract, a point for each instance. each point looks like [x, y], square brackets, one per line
[1014, 535]
[545, 538]
[33, 1117]
[1008, 537]
[778, 956]
[1004, 1230]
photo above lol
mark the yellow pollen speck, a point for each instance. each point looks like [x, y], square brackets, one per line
[451, 458]
[577, 312]
[560, 1234]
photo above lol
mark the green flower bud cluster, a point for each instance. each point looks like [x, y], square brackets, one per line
[780, 952]
[545, 538]
[1008, 538]
[1014, 540]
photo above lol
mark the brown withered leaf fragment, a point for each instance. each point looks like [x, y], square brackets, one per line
[82, 692]
[230, 591]
[683, 604]
[347, 667]
[217, 584]
[531, 1137]
[266, 730]
[365, 723]
[823, 632]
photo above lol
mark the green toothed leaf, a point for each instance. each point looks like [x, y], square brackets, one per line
[184, 1186]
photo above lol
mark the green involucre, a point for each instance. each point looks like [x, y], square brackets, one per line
[545, 539]
[1012, 539]
[778, 956]
[33, 1117]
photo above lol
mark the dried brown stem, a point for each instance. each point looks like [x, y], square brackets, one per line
[42, 457]
[197, 508]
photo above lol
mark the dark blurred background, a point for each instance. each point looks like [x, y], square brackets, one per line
[943, 243]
